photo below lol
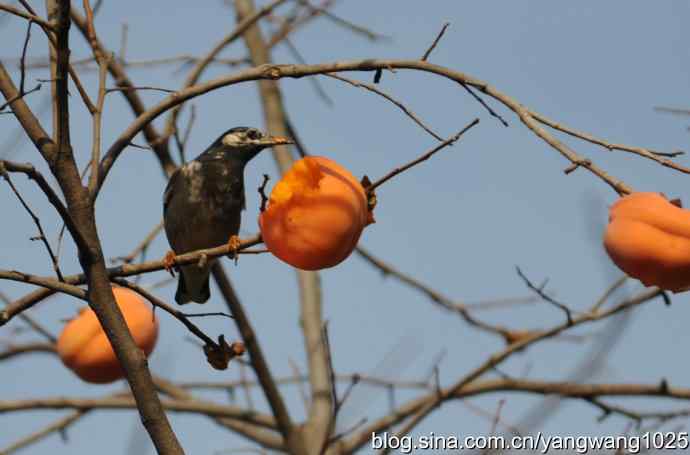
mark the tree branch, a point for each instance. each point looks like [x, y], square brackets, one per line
[123, 270]
[274, 72]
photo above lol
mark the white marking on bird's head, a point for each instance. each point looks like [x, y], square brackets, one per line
[243, 137]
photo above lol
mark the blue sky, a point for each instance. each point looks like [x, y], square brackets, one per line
[460, 222]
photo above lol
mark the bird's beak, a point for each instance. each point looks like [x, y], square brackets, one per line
[269, 141]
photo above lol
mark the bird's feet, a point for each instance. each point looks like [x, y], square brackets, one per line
[234, 246]
[169, 262]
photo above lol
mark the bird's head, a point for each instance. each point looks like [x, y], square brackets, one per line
[245, 143]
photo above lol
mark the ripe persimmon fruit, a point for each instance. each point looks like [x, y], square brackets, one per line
[85, 349]
[648, 237]
[315, 214]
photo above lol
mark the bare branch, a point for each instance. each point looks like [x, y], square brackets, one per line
[183, 406]
[18, 96]
[418, 409]
[37, 221]
[97, 113]
[436, 41]
[52, 196]
[143, 246]
[28, 320]
[19, 349]
[272, 72]
[399, 170]
[436, 297]
[59, 425]
[30, 17]
[50, 283]
[194, 75]
[320, 411]
[659, 157]
[146, 87]
[547, 298]
[209, 344]
[123, 270]
[159, 146]
[259, 434]
[258, 361]
[358, 29]
[373, 89]
[22, 61]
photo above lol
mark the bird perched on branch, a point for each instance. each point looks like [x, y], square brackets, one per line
[203, 202]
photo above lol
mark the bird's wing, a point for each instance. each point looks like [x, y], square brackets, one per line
[169, 189]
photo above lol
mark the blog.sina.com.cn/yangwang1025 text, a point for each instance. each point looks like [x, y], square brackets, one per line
[657, 440]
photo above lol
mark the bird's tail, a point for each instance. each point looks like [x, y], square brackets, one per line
[193, 285]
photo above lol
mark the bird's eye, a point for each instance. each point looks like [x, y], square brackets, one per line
[253, 134]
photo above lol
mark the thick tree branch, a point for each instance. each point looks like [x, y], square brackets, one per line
[80, 207]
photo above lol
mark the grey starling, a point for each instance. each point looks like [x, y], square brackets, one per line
[203, 203]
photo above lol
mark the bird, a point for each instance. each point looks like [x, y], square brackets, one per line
[203, 203]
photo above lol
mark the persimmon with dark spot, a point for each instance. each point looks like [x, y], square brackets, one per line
[648, 237]
[85, 349]
[315, 215]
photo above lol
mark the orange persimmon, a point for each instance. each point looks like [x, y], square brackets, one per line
[315, 214]
[84, 348]
[648, 238]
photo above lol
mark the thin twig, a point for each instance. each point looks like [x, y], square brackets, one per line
[59, 426]
[659, 157]
[422, 158]
[467, 385]
[488, 108]
[42, 236]
[143, 245]
[127, 89]
[436, 297]
[28, 320]
[209, 343]
[195, 74]
[547, 298]
[400, 105]
[19, 349]
[433, 45]
[320, 91]
[98, 111]
[358, 29]
[22, 64]
[19, 96]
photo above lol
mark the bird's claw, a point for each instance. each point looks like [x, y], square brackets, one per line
[169, 262]
[203, 261]
[234, 246]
